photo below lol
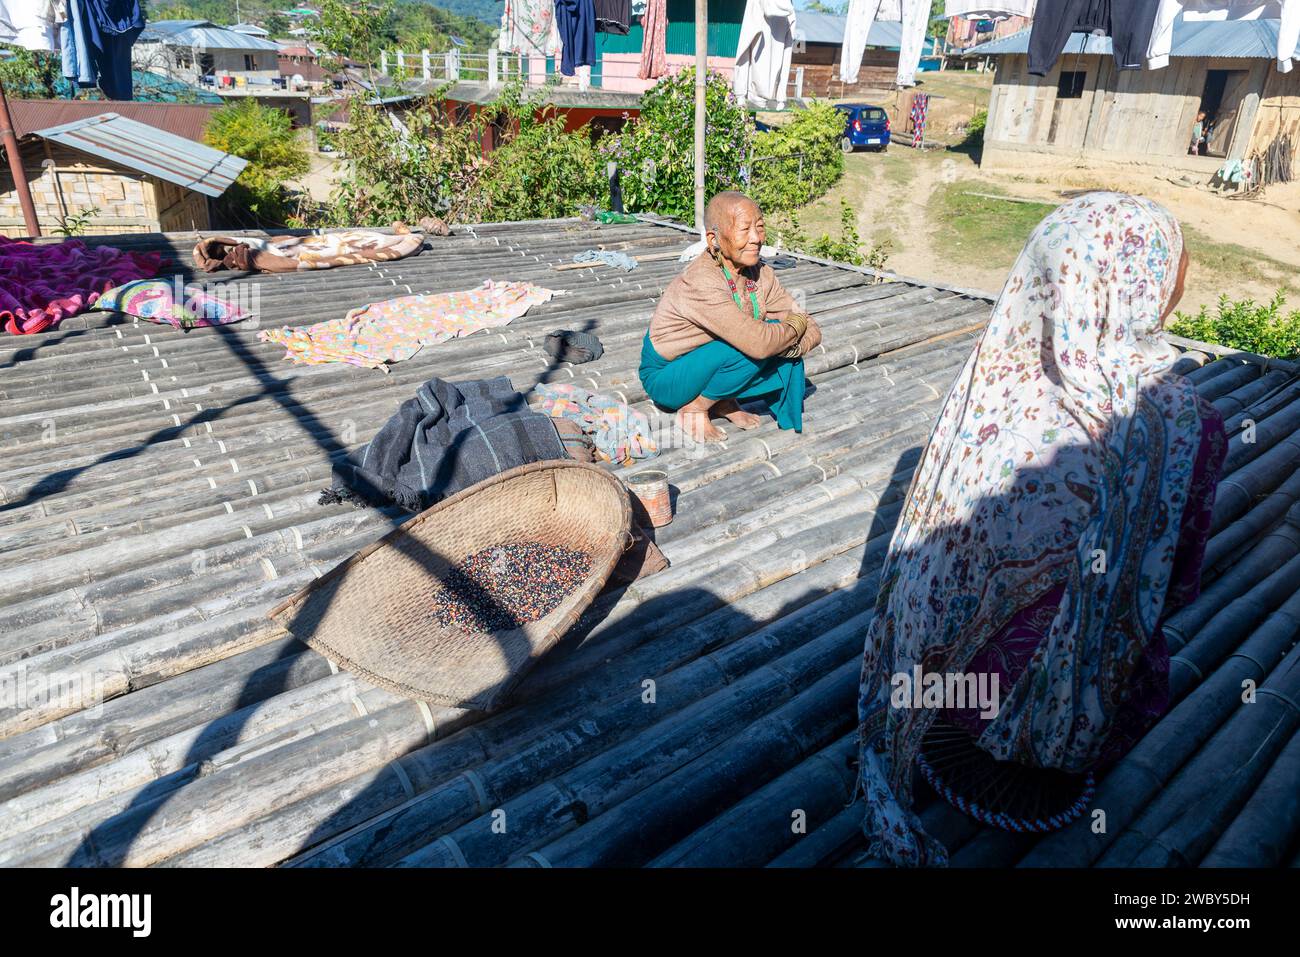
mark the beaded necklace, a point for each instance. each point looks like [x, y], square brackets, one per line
[750, 287]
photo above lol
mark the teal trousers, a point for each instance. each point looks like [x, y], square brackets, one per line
[718, 370]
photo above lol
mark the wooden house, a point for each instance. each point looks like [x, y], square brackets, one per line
[1086, 108]
[106, 173]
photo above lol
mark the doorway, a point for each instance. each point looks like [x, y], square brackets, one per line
[1221, 101]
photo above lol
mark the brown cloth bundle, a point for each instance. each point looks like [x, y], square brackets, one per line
[292, 253]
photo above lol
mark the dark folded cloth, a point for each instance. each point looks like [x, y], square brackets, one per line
[447, 438]
[568, 346]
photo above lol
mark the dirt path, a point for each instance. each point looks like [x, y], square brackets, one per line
[1246, 249]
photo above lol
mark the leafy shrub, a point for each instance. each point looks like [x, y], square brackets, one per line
[656, 153]
[541, 171]
[265, 137]
[429, 165]
[846, 249]
[798, 162]
[975, 129]
[1246, 325]
[434, 164]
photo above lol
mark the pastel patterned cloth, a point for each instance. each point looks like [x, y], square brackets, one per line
[396, 329]
[654, 24]
[622, 434]
[529, 27]
[167, 301]
[1063, 458]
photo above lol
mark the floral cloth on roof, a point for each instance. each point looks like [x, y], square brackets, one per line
[157, 300]
[396, 329]
[622, 435]
[528, 27]
[1064, 438]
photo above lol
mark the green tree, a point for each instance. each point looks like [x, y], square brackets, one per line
[938, 26]
[657, 151]
[355, 29]
[265, 137]
[29, 74]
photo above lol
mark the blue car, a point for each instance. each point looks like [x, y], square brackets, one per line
[864, 126]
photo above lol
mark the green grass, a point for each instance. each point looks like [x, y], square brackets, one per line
[978, 231]
[1238, 262]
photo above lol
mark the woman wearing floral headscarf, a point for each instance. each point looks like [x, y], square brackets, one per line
[1058, 515]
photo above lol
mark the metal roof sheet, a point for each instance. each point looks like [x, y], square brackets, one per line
[183, 119]
[1224, 38]
[827, 28]
[147, 149]
[204, 35]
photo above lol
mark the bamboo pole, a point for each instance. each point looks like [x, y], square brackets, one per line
[21, 187]
[701, 81]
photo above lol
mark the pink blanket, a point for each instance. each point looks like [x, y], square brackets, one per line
[42, 284]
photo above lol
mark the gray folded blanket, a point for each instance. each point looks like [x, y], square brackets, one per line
[447, 438]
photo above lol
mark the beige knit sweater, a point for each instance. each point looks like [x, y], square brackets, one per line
[697, 308]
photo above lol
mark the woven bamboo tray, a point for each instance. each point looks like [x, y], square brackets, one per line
[373, 614]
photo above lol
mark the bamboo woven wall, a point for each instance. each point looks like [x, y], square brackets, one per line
[1131, 112]
[76, 182]
[1279, 111]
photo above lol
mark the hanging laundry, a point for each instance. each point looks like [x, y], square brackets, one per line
[915, 15]
[857, 25]
[168, 301]
[1129, 26]
[110, 28]
[916, 19]
[654, 23]
[77, 65]
[290, 253]
[981, 9]
[576, 21]
[917, 115]
[1288, 37]
[28, 24]
[528, 27]
[613, 16]
[622, 434]
[40, 285]
[396, 329]
[764, 51]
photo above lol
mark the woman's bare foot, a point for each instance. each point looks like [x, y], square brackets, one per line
[698, 427]
[730, 410]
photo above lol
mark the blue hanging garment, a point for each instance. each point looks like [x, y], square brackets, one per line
[110, 29]
[576, 21]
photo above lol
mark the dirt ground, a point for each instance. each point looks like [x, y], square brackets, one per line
[1244, 248]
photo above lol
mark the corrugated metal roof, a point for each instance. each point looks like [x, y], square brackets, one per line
[146, 149]
[1227, 38]
[187, 120]
[203, 34]
[827, 28]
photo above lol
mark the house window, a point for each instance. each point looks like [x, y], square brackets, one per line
[1070, 85]
[249, 62]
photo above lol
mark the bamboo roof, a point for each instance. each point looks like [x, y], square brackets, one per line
[158, 495]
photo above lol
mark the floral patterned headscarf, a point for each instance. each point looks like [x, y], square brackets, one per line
[1062, 457]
